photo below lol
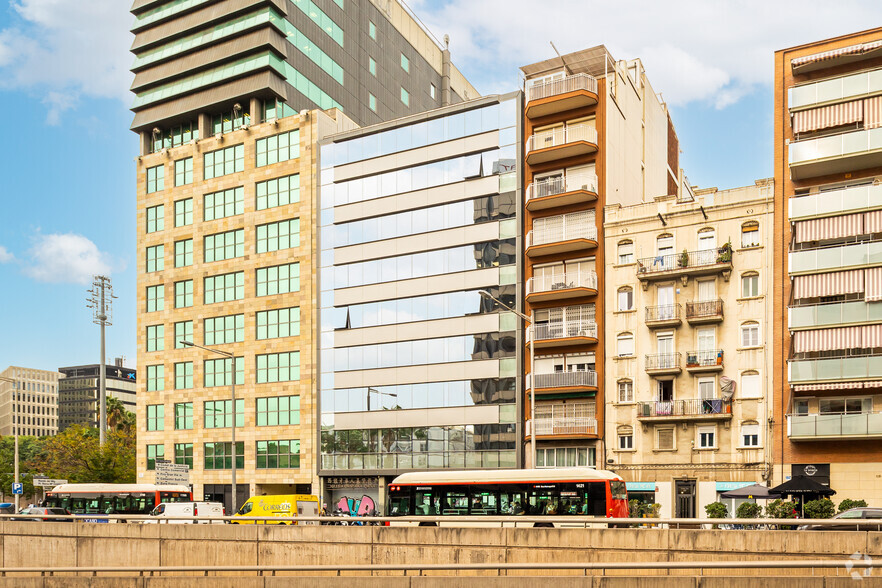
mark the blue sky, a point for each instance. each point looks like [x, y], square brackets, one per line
[66, 156]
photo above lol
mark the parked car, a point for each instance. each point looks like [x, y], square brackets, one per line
[199, 511]
[42, 510]
[7, 508]
[851, 521]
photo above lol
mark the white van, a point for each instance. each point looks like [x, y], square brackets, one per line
[196, 510]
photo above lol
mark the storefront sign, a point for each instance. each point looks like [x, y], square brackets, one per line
[726, 486]
[340, 482]
[640, 486]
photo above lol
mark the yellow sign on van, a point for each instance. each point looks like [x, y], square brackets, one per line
[282, 505]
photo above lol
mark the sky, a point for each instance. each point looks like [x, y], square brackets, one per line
[67, 195]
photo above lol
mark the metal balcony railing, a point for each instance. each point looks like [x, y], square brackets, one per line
[667, 312]
[833, 314]
[841, 145]
[663, 361]
[561, 136]
[561, 185]
[704, 358]
[684, 260]
[567, 231]
[559, 86]
[843, 201]
[562, 281]
[686, 408]
[862, 424]
[704, 309]
[565, 329]
[563, 425]
[581, 379]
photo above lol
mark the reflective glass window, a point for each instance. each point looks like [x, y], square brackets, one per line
[224, 203]
[155, 218]
[224, 288]
[278, 192]
[155, 178]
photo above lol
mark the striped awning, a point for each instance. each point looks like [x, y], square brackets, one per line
[829, 386]
[873, 112]
[842, 51]
[873, 221]
[827, 117]
[874, 384]
[826, 339]
[833, 284]
[871, 335]
[831, 227]
[873, 293]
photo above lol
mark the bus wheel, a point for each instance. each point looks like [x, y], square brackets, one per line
[543, 525]
[428, 524]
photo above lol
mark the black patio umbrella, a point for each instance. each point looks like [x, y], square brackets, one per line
[755, 491]
[802, 486]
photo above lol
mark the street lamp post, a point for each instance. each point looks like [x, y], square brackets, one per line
[14, 434]
[530, 334]
[232, 357]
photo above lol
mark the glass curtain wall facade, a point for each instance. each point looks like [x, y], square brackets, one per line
[418, 369]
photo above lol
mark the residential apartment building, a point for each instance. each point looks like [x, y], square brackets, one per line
[28, 401]
[226, 93]
[419, 370]
[828, 263]
[688, 372]
[596, 134]
[78, 392]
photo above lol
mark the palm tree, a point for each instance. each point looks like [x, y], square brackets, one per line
[118, 417]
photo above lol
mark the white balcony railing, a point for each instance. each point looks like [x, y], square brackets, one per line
[853, 86]
[562, 281]
[855, 199]
[566, 426]
[834, 314]
[559, 86]
[561, 136]
[565, 330]
[853, 143]
[579, 379]
[835, 258]
[561, 185]
[807, 426]
[567, 229]
[835, 369]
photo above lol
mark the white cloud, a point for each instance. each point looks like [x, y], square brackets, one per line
[715, 51]
[68, 258]
[67, 48]
[5, 255]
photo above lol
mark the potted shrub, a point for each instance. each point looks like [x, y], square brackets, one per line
[724, 253]
[782, 509]
[683, 259]
[749, 510]
[848, 503]
[819, 509]
[716, 510]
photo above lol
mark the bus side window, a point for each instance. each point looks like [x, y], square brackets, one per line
[596, 499]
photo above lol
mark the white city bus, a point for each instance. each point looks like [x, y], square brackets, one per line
[116, 499]
[536, 492]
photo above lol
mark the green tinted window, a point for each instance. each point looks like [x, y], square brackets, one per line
[279, 279]
[278, 192]
[278, 454]
[219, 414]
[280, 235]
[184, 171]
[184, 253]
[276, 148]
[282, 322]
[154, 452]
[184, 454]
[155, 378]
[184, 375]
[155, 298]
[224, 288]
[219, 456]
[184, 294]
[155, 179]
[184, 212]
[224, 161]
[155, 218]
[155, 417]
[155, 258]
[278, 367]
[278, 410]
[184, 415]
[225, 203]
[217, 372]
[224, 329]
[155, 338]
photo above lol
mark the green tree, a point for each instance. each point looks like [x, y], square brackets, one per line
[76, 455]
[819, 509]
[848, 503]
[118, 417]
[749, 510]
[28, 447]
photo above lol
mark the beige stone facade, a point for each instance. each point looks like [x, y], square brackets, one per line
[35, 406]
[165, 434]
[688, 314]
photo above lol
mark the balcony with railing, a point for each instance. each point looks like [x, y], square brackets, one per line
[565, 419]
[572, 233]
[833, 369]
[696, 409]
[823, 427]
[833, 314]
[564, 333]
[561, 191]
[560, 95]
[662, 364]
[704, 360]
[685, 264]
[667, 315]
[835, 154]
[835, 257]
[836, 202]
[562, 286]
[561, 143]
[835, 89]
[704, 311]
[556, 382]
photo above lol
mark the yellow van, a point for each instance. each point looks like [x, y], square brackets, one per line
[281, 505]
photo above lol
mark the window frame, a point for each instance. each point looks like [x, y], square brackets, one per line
[750, 329]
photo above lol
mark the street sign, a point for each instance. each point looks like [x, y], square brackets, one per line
[48, 482]
[172, 473]
[17, 488]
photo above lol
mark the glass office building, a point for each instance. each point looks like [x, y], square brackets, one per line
[419, 370]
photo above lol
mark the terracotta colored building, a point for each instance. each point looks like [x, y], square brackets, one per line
[828, 263]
